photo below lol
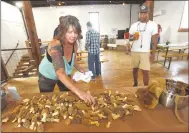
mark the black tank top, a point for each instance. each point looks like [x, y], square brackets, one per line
[50, 59]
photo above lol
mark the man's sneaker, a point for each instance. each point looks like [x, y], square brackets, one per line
[135, 84]
[93, 78]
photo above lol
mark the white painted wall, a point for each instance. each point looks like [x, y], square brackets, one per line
[110, 16]
[170, 21]
[12, 32]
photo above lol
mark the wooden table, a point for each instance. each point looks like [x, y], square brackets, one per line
[170, 47]
[159, 119]
[112, 46]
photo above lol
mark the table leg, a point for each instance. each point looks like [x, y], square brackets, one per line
[179, 53]
[183, 52]
[166, 55]
[158, 54]
[170, 59]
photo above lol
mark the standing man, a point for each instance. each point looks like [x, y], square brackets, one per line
[142, 33]
[92, 44]
[56, 30]
[159, 32]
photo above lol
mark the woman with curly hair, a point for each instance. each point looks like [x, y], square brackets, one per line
[56, 67]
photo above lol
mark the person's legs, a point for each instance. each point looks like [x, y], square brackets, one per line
[91, 61]
[145, 67]
[135, 64]
[97, 64]
[135, 76]
[45, 84]
[145, 77]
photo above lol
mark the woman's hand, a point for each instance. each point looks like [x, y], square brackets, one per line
[85, 96]
[82, 70]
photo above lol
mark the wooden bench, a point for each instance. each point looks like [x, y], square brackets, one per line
[170, 56]
[85, 56]
[81, 52]
[101, 61]
[112, 46]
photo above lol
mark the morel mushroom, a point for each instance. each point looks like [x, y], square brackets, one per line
[6, 118]
[70, 110]
[94, 123]
[26, 124]
[44, 113]
[109, 121]
[137, 108]
[82, 106]
[56, 112]
[115, 116]
[40, 127]
[65, 115]
[33, 123]
[67, 121]
[25, 101]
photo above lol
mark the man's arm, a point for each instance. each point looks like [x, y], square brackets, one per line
[87, 41]
[55, 52]
[131, 33]
[154, 43]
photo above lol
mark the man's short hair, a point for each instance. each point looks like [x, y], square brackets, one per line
[89, 24]
[60, 18]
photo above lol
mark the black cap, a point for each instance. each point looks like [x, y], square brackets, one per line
[144, 8]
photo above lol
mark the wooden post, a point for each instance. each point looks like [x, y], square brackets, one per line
[150, 5]
[30, 23]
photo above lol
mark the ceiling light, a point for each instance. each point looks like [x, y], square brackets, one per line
[110, 1]
[59, 3]
[19, 4]
[123, 3]
[62, 2]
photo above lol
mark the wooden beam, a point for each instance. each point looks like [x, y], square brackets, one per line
[150, 5]
[30, 23]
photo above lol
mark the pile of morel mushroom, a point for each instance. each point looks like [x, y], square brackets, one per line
[67, 107]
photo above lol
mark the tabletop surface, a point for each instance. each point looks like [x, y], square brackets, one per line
[173, 45]
[158, 119]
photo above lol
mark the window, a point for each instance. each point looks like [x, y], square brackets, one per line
[94, 19]
[184, 19]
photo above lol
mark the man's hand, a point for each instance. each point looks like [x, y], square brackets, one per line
[152, 57]
[132, 37]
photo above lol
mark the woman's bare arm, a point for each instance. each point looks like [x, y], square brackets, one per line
[55, 50]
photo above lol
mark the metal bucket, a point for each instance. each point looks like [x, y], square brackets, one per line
[167, 98]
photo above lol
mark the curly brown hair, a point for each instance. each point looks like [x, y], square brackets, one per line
[64, 25]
